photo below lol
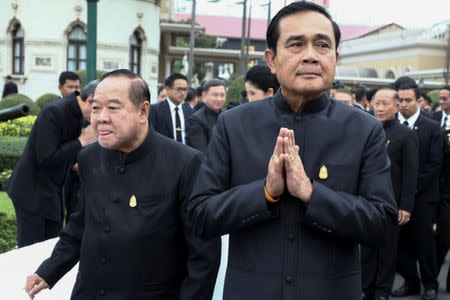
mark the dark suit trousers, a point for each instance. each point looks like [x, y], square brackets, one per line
[378, 266]
[443, 237]
[33, 228]
[417, 243]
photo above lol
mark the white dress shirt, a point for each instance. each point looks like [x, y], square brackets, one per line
[172, 107]
[411, 120]
[444, 115]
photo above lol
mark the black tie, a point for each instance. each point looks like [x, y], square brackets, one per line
[178, 126]
[445, 122]
[406, 123]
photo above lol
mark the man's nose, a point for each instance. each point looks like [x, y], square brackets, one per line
[310, 55]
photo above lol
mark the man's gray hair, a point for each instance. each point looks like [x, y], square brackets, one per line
[88, 90]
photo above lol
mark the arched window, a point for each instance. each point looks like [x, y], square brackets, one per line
[135, 52]
[17, 49]
[76, 49]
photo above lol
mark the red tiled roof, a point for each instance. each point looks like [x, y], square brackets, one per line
[231, 27]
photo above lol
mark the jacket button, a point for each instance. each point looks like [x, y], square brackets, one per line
[121, 169]
[291, 237]
[101, 292]
[288, 279]
[107, 228]
[103, 260]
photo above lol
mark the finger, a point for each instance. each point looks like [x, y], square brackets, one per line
[399, 217]
[36, 289]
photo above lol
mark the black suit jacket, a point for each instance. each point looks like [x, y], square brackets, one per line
[430, 158]
[200, 126]
[52, 146]
[161, 118]
[289, 250]
[142, 249]
[9, 88]
[403, 150]
[437, 116]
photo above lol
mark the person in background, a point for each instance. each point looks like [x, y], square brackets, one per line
[260, 83]
[378, 264]
[201, 123]
[69, 82]
[36, 184]
[345, 96]
[10, 87]
[162, 94]
[191, 98]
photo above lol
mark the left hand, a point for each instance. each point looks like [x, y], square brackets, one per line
[403, 216]
[297, 182]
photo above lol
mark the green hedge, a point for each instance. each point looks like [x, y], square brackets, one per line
[17, 127]
[11, 149]
[45, 99]
[16, 99]
[83, 79]
[7, 233]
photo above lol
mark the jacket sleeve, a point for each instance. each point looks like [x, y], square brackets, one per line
[410, 171]
[203, 255]
[215, 208]
[66, 252]
[51, 149]
[195, 135]
[363, 217]
[434, 160]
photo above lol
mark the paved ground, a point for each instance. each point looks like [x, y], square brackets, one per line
[443, 295]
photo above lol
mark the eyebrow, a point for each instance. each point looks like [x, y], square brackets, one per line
[318, 36]
[112, 100]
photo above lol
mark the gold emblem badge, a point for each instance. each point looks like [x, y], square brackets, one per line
[133, 201]
[387, 142]
[323, 172]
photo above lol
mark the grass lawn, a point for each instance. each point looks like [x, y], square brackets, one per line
[6, 205]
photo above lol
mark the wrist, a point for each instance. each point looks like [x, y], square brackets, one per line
[269, 197]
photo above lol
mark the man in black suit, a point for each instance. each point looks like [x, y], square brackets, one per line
[10, 87]
[130, 234]
[379, 264]
[443, 220]
[35, 186]
[417, 242]
[201, 123]
[169, 117]
[298, 180]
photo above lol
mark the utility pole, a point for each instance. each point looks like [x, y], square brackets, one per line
[192, 43]
[91, 66]
[244, 22]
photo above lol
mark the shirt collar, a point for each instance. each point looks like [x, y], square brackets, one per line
[312, 106]
[411, 120]
[172, 105]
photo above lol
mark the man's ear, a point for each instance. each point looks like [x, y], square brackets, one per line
[144, 111]
[270, 60]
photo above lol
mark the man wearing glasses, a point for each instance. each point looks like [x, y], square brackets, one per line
[169, 117]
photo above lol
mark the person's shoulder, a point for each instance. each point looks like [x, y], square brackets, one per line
[248, 108]
[431, 123]
[90, 152]
[177, 149]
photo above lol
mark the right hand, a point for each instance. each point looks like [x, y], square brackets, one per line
[275, 181]
[87, 136]
[34, 285]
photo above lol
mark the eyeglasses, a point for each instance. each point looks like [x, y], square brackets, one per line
[181, 90]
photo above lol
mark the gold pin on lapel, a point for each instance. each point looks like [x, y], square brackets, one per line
[387, 142]
[133, 201]
[323, 172]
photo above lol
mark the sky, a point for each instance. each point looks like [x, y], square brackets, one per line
[407, 13]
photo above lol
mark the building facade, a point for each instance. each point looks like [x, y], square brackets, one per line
[40, 39]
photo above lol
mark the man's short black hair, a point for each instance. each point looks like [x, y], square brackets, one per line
[262, 78]
[67, 75]
[8, 77]
[160, 88]
[199, 91]
[425, 97]
[171, 79]
[190, 95]
[371, 92]
[406, 83]
[337, 85]
[361, 92]
[138, 91]
[212, 83]
[273, 31]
